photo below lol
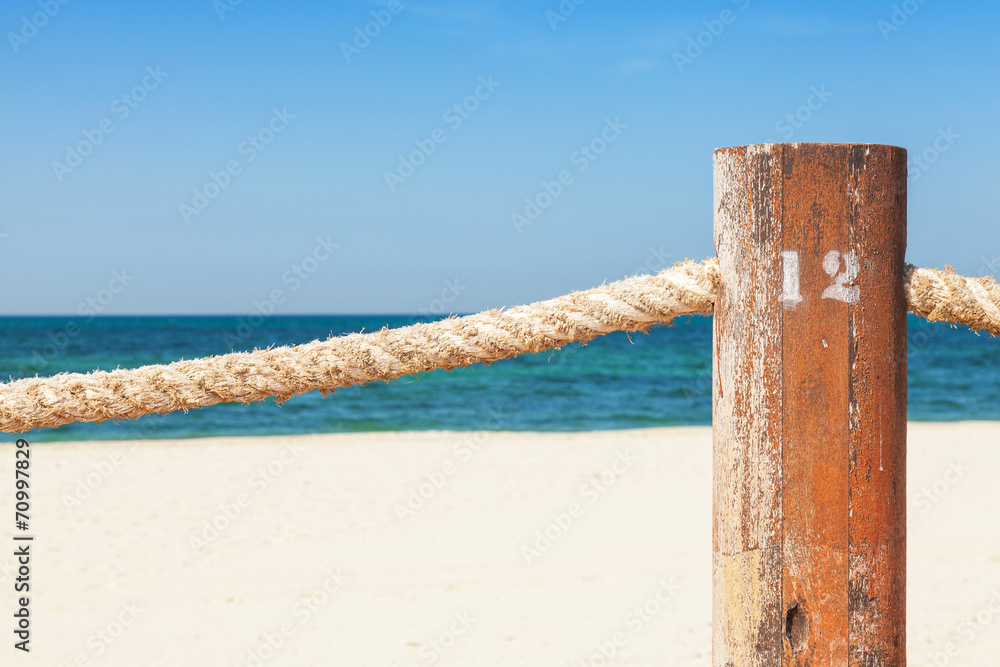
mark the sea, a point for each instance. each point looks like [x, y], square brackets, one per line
[619, 381]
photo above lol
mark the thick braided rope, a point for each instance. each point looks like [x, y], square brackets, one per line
[633, 304]
[945, 296]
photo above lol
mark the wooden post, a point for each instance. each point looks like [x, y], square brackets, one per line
[809, 412]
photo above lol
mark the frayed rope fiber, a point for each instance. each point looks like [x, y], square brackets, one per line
[945, 296]
[633, 304]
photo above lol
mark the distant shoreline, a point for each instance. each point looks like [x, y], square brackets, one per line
[433, 434]
[659, 379]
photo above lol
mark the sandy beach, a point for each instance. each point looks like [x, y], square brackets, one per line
[441, 548]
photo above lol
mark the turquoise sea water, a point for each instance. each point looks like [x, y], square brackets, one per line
[656, 379]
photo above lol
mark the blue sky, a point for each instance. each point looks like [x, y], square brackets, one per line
[308, 130]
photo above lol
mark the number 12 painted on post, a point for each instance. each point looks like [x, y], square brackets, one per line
[840, 287]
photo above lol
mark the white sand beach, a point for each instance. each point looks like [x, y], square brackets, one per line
[402, 549]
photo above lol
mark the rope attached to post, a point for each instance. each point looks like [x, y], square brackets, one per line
[632, 304]
[945, 296]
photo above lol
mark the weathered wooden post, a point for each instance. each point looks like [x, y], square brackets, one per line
[810, 406]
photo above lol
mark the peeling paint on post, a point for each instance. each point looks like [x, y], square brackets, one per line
[809, 413]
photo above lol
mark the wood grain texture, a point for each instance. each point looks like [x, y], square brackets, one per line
[814, 349]
[809, 406]
[877, 552]
[747, 410]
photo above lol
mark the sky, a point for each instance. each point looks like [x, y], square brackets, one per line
[191, 156]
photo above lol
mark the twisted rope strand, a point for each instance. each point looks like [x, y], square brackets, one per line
[945, 296]
[633, 304]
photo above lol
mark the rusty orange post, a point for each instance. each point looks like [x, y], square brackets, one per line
[809, 412]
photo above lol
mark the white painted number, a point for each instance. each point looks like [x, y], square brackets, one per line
[790, 296]
[840, 289]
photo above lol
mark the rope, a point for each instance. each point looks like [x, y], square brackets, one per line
[633, 304]
[945, 296]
